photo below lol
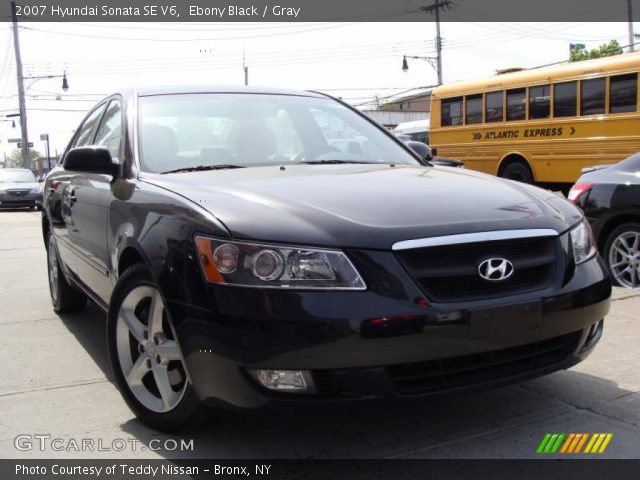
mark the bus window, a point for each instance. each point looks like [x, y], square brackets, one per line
[451, 112]
[473, 113]
[493, 109]
[623, 93]
[539, 101]
[592, 96]
[565, 99]
[516, 99]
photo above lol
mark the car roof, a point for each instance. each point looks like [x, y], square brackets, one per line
[143, 91]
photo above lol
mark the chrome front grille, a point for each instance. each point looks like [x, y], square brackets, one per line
[449, 273]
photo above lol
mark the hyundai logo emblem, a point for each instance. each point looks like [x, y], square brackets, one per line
[495, 269]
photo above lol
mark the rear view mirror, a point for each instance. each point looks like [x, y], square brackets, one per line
[421, 149]
[90, 160]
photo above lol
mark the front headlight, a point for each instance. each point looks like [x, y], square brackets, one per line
[276, 266]
[582, 242]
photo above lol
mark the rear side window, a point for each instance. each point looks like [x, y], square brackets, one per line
[451, 112]
[516, 104]
[592, 96]
[88, 128]
[565, 99]
[473, 109]
[493, 109]
[539, 101]
[623, 93]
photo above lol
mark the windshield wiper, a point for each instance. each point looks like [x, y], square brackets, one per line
[201, 168]
[334, 162]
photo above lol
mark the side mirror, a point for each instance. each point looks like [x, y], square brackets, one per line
[421, 149]
[434, 152]
[90, 160]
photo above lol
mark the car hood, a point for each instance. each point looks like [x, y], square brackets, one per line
[365, 206]
[18, 185]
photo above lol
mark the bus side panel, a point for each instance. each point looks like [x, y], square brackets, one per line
[556, 150]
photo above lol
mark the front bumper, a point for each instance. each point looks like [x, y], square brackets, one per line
[29, 199]
[383, 342]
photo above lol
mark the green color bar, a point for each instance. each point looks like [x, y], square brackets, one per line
[550, 443]
[554, 449]
[543, 443]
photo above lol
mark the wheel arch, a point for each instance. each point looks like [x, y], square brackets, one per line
[511, 158]
[611, 224]
[129, 256]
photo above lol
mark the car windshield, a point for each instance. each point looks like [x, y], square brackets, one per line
[185, 131]
[16, 176]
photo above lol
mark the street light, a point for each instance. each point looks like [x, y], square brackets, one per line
[36, 78]
[432, 61]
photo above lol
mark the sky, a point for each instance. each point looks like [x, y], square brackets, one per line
[355, 61]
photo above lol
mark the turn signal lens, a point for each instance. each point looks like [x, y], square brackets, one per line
[207, 261]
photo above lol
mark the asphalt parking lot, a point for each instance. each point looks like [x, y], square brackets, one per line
[56, 381]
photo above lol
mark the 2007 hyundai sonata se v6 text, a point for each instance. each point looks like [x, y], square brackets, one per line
[262, 248]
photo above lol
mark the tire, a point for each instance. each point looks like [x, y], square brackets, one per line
[518, 171]
[141, 342]
[622, 255]
[65, 297]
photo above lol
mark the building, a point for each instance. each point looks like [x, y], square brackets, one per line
[410, 108]
[419, 102]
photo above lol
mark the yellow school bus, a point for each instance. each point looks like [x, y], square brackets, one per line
[542, 124]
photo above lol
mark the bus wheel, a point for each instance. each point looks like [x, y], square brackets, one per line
[518, 171]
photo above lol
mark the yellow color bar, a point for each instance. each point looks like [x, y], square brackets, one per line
[594, 437]
[606, 441]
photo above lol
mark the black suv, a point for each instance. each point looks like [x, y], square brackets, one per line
[263, 247]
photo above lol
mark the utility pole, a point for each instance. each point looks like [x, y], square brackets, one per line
[435, 9]
[630, 18]
[21, 100]
[438, 43]
[245, 67]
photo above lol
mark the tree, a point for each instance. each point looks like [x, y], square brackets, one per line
[14, 159]
[579, 52]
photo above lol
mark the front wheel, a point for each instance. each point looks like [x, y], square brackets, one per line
[64, 297]
[145, 357]
[622, 254]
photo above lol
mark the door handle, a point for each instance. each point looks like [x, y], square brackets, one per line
[71, 197]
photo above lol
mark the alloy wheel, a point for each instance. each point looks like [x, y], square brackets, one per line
[54, 271]
[624, 259]
[147, 351]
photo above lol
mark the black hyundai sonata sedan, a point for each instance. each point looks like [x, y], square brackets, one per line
[262, 248]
